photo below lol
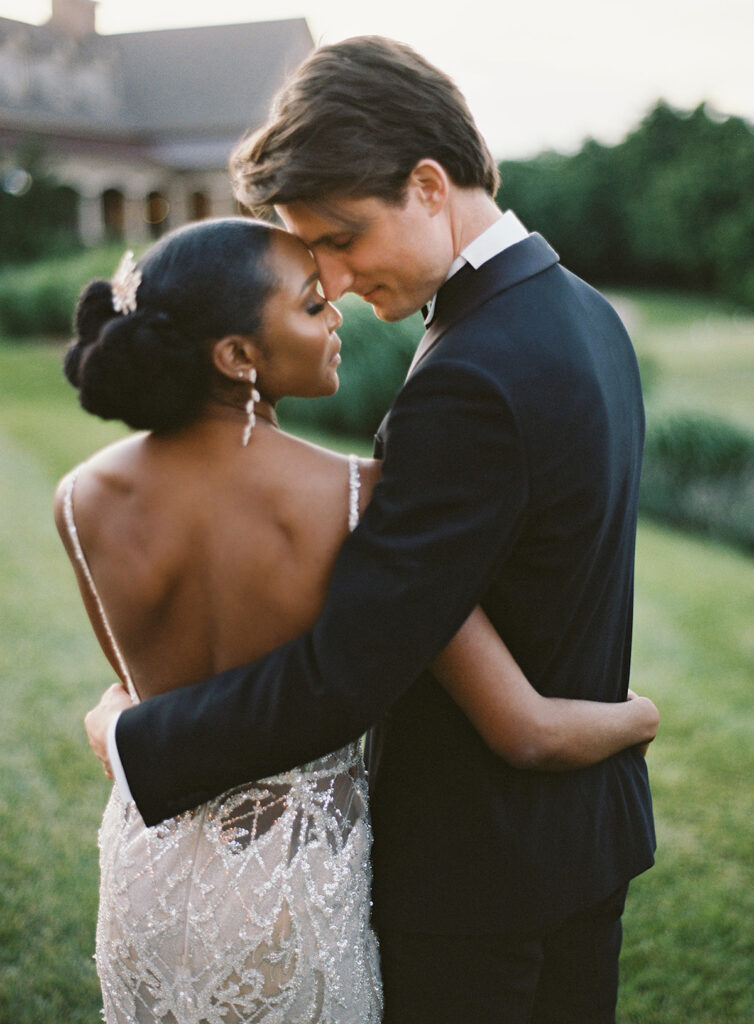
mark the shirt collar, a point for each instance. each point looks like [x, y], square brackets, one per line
[502, 233]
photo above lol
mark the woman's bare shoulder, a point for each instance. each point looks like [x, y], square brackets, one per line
[102, 481]
[114, 458]
[97, 469]
[328, 458]
[308, 466]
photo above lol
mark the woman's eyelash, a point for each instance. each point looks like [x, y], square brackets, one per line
[315, 308]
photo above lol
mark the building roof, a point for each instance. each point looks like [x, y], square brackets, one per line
[184, 79]
[182, 92]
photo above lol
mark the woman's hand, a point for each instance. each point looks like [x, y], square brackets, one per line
[650, 715]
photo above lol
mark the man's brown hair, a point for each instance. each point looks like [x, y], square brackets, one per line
[354, 120]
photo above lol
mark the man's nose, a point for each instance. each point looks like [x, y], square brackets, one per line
[334, 276]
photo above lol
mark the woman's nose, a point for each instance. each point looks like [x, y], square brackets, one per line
[335, 317]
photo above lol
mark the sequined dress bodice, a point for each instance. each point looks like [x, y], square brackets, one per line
[253, 907]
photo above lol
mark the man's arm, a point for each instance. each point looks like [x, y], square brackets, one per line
[439, 524]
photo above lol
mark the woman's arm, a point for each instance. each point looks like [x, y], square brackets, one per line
[519, 724]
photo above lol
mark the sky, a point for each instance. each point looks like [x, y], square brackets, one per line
[544, 75]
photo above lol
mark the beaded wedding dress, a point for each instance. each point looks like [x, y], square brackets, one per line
[252, 908]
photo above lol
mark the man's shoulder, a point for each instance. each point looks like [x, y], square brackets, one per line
[524, 317]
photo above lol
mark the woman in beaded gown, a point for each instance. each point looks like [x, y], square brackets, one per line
[202, 544]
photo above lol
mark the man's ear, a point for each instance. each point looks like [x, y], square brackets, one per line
[431, 183]
[234, 355]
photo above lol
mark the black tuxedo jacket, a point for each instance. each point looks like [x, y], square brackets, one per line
[510, 478]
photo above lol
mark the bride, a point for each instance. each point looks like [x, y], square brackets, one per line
[203, 544]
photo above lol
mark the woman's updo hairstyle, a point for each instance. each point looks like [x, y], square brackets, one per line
[152, 367]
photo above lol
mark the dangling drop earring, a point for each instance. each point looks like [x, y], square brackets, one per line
[253, 397]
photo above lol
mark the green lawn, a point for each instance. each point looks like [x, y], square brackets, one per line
[689, 943]
[696, 355]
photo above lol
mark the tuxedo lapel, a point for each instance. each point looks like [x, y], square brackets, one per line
[378, 445]
[470, 288]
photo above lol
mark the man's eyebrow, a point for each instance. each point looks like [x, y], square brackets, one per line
[341, 223]
[326, 239]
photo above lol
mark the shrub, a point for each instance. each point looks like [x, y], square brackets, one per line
[699, 473]
[40, 298]
[37, 213]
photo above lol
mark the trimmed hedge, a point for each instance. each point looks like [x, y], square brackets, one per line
[40, 298]
[699, 473]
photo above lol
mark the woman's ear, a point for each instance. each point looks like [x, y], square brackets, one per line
[234, 356]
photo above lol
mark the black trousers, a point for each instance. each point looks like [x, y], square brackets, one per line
[565, 975]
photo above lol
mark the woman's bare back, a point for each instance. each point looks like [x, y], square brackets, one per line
[207, 555]
[241, 909]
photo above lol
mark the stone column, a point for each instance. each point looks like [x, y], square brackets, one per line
[177, 197]
[221, 193]
[91, 225]
[136, 228]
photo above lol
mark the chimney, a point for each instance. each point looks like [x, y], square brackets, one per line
[74, 18]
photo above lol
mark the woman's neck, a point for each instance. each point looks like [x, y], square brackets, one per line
[223, 411]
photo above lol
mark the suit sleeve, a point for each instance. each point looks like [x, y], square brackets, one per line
[440, 522]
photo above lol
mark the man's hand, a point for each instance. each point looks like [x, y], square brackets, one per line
[114, 700]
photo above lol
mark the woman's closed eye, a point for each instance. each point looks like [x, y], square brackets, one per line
[317, 300]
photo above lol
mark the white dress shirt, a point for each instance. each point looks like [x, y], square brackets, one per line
[115, 763]
[501, 234]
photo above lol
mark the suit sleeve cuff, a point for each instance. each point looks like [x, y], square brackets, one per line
[115, 763]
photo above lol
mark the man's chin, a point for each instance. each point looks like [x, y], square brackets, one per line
[388, 314]
[383, 314]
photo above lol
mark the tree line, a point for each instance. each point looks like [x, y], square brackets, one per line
[671, 206]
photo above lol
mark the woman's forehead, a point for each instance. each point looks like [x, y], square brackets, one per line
[292, 257]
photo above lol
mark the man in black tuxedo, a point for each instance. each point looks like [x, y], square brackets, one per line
[510, 479]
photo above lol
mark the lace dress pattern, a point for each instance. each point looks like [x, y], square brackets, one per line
[252, 908]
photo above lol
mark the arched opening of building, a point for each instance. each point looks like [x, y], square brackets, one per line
[113, 214]
[199, 206]
[156, 214]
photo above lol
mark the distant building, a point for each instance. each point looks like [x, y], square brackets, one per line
[139, 125]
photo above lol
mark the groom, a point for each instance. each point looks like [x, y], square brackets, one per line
[510, 479]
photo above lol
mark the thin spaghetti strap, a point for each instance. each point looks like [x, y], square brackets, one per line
[81, 559]
[354, 485]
